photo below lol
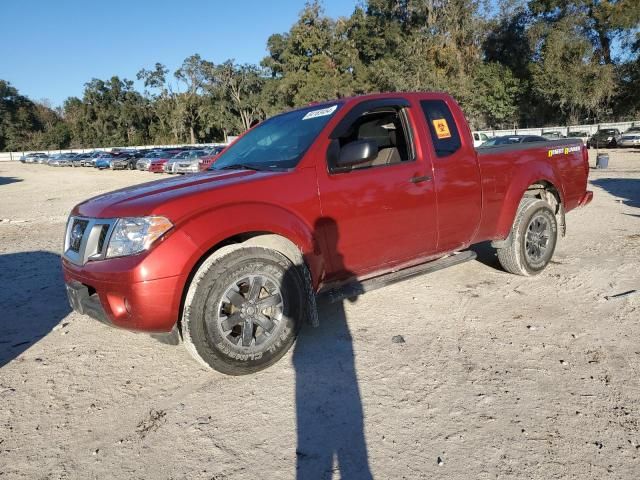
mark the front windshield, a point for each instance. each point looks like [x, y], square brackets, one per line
[279, 142]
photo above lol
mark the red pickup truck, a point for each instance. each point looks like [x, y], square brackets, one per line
[332, 197]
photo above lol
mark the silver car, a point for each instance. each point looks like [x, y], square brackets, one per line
[190, 164]
[144, 163]
[629, 140]
[183, 160]
[60, 160]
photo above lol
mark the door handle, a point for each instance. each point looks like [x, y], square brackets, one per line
[425, 178]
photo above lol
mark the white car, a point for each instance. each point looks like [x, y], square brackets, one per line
[479, 138]
[584, 136]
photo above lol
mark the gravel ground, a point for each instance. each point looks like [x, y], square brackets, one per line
[489, 375]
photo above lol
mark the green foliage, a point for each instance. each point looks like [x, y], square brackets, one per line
[496, 97]
[533, 63]
[25, 124]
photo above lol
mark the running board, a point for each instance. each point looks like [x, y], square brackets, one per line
[353, 289]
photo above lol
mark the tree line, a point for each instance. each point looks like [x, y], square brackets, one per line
[508, 63]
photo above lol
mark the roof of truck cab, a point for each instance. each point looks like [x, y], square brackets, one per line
[378, 96]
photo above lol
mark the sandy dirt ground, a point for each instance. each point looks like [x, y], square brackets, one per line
[498, 376]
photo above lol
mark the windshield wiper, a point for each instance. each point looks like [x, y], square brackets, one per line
[241, 166]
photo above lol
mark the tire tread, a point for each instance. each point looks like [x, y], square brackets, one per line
[510, 256]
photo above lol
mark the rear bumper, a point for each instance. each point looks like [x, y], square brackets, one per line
[586, 199]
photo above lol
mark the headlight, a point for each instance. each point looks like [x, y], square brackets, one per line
[133, 235]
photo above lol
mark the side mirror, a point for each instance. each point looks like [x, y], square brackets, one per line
[357, 152]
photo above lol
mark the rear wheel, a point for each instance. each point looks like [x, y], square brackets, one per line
[243, 310]
[532, 240]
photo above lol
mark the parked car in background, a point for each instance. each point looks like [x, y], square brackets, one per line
[606, 137]
[90, 158]
[479, 138]
[511, 139]
[552, 135]
[61, 160]
[41, 158]
[191, 164]
[168, 166]
[157, 164]
[628, 140]
[113, 161]
[633, 129]
[212, 154]
[144, 162]
[131, 156]
[78, 159]
[183, 160]
[35, 157]
[584, 136]
[101, 160]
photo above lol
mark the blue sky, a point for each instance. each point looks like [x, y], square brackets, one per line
[50, 48]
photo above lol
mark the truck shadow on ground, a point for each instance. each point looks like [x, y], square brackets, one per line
[487, 255]
[32, 300]
[329, 413]
[8, 180]
[628, 189]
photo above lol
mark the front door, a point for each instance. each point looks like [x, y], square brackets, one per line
[382, 212]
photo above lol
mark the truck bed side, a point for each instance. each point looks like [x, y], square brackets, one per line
[508, 171]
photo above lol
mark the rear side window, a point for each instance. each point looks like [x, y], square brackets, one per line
[444, 132]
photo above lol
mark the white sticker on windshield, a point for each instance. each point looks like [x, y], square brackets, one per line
[320, 113]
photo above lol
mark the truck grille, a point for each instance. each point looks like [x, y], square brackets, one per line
[103, 236]
[87, 239]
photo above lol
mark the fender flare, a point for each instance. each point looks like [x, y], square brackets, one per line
[529, 174]
[268, 226]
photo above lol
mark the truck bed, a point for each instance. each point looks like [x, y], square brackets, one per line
[507, 170]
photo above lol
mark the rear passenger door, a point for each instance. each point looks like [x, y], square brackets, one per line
[382, 212]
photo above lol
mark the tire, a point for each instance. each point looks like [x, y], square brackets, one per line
[533, 238]
[223, 326]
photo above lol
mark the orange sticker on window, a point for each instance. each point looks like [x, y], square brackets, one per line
[442, 128]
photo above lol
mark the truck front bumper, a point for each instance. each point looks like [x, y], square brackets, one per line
[147, 306]
[85, 303]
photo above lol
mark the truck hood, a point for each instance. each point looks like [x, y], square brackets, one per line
[152, 198]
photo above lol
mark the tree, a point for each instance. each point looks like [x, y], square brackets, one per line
[26, 125]
[495, 103]
[162, 104]
[567, 75]
[603, 21]
[315, 60]
[237, 90]
[193, 75]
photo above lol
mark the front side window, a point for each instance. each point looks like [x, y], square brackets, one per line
[387, 128]
[279, 142]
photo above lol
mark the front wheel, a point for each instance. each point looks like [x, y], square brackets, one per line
[243, 310]
[532, 240]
